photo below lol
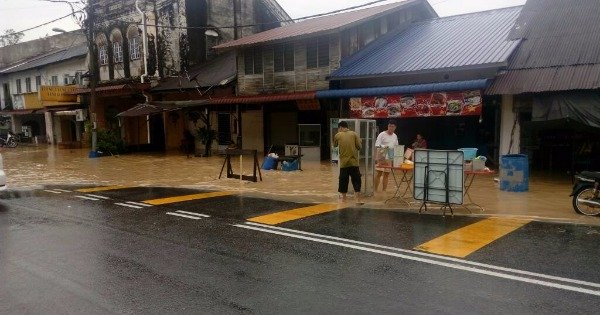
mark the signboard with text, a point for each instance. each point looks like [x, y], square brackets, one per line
[464, 103]
[49, 93]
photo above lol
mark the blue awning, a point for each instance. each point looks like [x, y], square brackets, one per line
[405, 89]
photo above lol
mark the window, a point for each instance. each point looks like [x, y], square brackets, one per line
[253, 61]
[38, 82]
[28, 85]
[103, 55]
[284, 58]
[19, 86]
[317, 53]
[134, 48]
[54, 80]
[117, 52]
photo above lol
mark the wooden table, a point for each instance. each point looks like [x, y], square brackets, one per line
[406, 178]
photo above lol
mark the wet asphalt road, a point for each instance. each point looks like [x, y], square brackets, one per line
[63, 254]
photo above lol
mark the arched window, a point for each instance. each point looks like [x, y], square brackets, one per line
[117, 45]
[135, 41]
[102, 44]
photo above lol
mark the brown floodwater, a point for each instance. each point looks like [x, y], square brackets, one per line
[31, 167]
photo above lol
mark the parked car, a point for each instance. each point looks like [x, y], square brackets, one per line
[2, 174]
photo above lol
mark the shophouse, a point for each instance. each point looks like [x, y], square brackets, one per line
[430, 79]
[140, 44]
[550, 86]
[35, 90]
[280, 72]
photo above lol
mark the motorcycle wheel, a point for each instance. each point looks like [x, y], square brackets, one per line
[585, 194]
[12, 143]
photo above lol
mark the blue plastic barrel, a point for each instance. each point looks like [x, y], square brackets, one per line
[269, 163]
[514, 172]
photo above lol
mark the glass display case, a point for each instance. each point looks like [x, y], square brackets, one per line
[367, 131]
[309, 141]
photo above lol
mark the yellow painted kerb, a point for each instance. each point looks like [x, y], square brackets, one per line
[466, 240]
[102, 188]
[164, 201]
[295, 214]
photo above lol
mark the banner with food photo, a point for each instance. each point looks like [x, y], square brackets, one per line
[465, 103]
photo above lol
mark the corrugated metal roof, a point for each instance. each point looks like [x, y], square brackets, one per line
[405, 89]
[560, 48]
[50, 58]
[547, 79]
[318, 25]
[211, 73]
[451, 42]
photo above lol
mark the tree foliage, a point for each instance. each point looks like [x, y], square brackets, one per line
[10, 37]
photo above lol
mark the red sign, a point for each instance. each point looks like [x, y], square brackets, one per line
[466, 103]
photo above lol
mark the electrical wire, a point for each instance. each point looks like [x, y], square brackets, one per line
[40, 25]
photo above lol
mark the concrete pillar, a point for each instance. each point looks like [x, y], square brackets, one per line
[508, 129]
[15, 125]
[49, 127]
[78, 131]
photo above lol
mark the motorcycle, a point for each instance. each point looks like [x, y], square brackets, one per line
[10, 140]
[586, 191]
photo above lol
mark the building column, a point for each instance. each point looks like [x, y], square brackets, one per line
[510, 128]
[49, 127]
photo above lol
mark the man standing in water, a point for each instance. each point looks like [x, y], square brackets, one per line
[386, 140]
[349, 144]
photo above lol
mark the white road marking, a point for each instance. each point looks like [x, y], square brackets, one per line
[138, 204]
[184, 216]
[128, 205]
[97, 196]
[193, 213]
[87, 198]
[63, 190]
[413, 252]
[52, 191]
[429, 261]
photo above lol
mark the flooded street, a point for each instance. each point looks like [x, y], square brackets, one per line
[33, 167]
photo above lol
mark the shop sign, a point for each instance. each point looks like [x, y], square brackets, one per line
[58, 93]
[465, 103]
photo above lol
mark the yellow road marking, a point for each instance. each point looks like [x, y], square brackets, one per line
[466, 240]
[164, 201]
[102, 188]
[295, 214]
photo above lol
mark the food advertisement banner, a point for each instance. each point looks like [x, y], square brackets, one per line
[465, 103]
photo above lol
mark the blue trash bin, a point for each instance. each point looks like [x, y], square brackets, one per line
[514, 172]
[269, 163]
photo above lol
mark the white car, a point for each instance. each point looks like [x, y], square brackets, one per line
[2, 174]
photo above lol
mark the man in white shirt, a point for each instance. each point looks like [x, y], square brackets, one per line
[386, 141]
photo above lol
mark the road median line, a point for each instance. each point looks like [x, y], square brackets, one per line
[169, 200]
[298, 213]
[466, 240]
[102, 188]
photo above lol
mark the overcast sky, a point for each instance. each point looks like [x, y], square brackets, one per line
[23, 14]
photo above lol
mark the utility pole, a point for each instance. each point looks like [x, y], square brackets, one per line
[93, 75]
[238, 111]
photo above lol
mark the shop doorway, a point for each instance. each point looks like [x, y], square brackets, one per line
[157, 133]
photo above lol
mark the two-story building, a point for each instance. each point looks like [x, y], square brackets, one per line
[280, 70]
[179, 36]
[35, 90]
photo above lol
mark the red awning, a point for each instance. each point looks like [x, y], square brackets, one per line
[254, 99]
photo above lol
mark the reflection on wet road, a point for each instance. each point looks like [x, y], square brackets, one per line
[62, 253]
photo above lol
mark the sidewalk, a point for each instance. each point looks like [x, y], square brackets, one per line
[34, 167]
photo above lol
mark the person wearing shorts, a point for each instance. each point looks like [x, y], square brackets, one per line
[386, 141]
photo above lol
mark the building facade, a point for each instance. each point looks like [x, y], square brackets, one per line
[180, 35]
[280, 70]
[33, 90]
